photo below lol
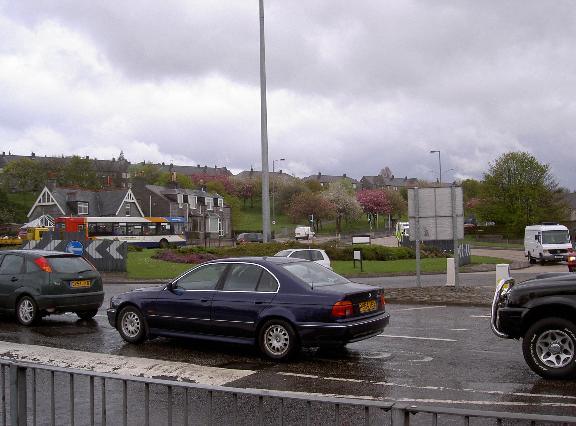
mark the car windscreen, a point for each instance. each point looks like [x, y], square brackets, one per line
[69, 264]
[283, 253]
[314, 274]
[555, 237]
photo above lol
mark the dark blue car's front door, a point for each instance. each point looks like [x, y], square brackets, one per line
[185, 306]
[247, 290]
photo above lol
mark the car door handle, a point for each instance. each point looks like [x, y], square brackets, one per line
[13, 279]
[258, 302]
[204, 300]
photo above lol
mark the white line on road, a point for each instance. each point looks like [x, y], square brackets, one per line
[418, 309]
[480, 316]
[458, 329]
[417, 338]
[121, 365]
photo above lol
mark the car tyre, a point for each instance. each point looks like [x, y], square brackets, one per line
[549, 348]
[542, 261]
[531, 259]
[131, 325]
[164, 243]
[27, 311]
[87, 315]
[278, 340]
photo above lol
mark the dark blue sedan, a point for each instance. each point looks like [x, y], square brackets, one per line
[279, 303]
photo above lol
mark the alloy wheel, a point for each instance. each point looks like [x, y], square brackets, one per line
[555, 348]
[131, 324]
[277, 339]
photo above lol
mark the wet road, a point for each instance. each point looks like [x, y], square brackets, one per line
[438, 355]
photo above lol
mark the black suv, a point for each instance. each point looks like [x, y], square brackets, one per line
[36, 283]
[542, 312]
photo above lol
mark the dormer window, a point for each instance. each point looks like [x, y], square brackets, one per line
[209, 203]
[82, 208]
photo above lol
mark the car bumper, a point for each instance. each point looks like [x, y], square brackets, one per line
[70, 302]
[111, 314]
[555, 257]
[315, 334]
[508, 322]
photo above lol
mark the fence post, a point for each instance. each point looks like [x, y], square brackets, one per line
[400, 416]
[18, 413]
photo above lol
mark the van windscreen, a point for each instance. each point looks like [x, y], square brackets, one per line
[555, 237]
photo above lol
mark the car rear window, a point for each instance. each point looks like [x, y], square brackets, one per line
[69, 264]
[314, 274]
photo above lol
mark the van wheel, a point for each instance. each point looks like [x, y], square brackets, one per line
[531, 259]
[542, 261]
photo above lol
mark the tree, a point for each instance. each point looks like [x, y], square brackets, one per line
[183, 181]
[79, 172]
[306, 204]
[148, 173]
[7, 214]
[24, 175]
[518, 190]
[374, 202]
[345, 204]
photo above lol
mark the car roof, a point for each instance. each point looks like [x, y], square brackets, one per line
[259, 260]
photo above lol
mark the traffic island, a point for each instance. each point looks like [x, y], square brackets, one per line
[441, 295]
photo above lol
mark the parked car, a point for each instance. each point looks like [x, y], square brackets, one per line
[315, 255]
[36, 283]
[541, 312]
[250, 237]
[277, 303]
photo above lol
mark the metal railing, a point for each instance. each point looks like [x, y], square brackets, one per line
[38, 394]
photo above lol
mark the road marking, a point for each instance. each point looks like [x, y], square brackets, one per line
[458, 329]
[418, 309]
[480, 316]
[121, 365]
[417, 338]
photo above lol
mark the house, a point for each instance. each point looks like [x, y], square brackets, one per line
[387, 182]
[195, 172]
[278, 176]
[59, 201]
[206, 214]
[111, 173]
[326, 180]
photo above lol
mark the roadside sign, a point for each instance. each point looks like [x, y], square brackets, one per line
[75, 247]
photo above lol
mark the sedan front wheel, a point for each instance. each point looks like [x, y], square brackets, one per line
[131, 325]
[278, 340]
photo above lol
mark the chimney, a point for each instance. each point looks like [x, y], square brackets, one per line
[198, 165]
[344, 175]
[33, 155]
[173, 177]
[319, 175]
[87, 157]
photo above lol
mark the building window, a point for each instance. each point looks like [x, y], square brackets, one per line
[194, 202]
[82, 208]
[180, 198]
[220, 202]
[209, 203]
[127, 207]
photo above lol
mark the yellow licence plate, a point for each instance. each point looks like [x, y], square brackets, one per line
[369, 305]
[80, 284]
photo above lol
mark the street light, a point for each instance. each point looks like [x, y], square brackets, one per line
[274, 188]
[439, 164]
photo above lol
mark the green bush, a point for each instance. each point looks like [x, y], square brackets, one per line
[370, 252]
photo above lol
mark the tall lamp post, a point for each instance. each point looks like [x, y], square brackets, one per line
[274, 189]
[264, 131]
[439, 164]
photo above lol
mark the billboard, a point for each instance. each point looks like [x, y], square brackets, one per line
[434, 210]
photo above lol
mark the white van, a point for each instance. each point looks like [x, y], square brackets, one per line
[303, 232]
[548, 242]
[402, 230]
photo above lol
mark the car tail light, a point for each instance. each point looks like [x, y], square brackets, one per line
[342, 309]
[382, 300]
[43, 264]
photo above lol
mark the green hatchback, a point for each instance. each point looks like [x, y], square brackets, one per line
[36, 283]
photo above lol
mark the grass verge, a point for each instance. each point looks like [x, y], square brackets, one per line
[142, 266]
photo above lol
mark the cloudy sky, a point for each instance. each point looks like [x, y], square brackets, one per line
[353, 86]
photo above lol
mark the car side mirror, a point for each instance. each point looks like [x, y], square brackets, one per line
[172, 286]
